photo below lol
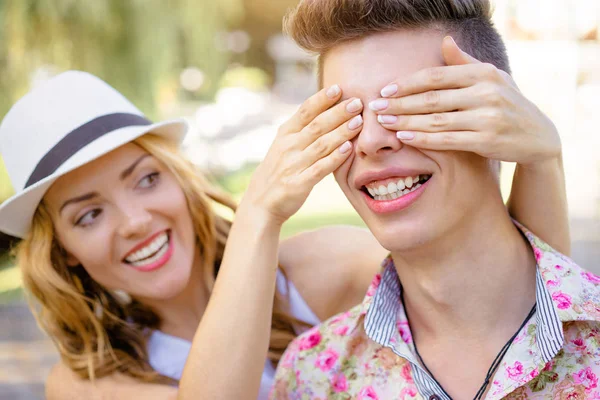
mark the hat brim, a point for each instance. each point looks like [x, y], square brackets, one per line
[17, 212]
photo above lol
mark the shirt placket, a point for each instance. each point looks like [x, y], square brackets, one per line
[381, 326]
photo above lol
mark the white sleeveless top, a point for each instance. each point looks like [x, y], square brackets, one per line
[168, 354]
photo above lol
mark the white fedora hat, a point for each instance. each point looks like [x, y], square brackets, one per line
[66, 122]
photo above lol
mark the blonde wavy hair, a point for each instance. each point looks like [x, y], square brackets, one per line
[65, 300]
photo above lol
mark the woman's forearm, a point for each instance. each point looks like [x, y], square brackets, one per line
[539, 201]
[230, 346]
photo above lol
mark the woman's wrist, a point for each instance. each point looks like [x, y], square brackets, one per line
[258, 218]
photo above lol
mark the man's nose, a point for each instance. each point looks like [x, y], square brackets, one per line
[374, 140]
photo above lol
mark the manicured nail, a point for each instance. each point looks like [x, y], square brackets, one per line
[355, 122]
[333, 91]
[387, 119]
[354, 106]
[379, 104]
[345, 147]
[389, 90]
[403, 135]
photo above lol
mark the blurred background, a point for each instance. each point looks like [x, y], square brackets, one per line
[226, 67]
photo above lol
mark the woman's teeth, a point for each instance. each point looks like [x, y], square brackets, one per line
[151, 253]
[399, 188]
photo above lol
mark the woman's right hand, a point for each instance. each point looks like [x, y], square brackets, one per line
[314, 142]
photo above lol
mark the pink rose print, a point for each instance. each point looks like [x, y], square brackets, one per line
[374, 285]
[339, 382]
[587, 378]
[289, 357]
[549, 366]
[340, 317]
[534, 373]
[326, 360]
[341, 330]
[410, 392]
[538, 254]
[577, 346]
[404, 331]
[592, 308]
[299, 381]
[311, 340]
[563, 300]
[591, 277]
[515, 371]
[552, 283]
[367, 393]
[559, 267]
[406, 373]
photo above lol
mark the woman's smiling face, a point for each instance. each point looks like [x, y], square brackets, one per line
[125, 218]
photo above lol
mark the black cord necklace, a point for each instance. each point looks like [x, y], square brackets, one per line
[495, 363]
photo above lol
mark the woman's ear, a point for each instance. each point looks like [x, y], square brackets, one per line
[71, 260]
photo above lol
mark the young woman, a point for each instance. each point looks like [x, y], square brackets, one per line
[122, 246]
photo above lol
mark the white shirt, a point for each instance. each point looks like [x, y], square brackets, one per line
[168, 354]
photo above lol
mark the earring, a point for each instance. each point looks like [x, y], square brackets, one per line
[121, 296]
[98, 309]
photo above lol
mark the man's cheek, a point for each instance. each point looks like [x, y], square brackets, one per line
[342, 174]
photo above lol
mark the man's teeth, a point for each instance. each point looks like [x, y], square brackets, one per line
[151, 252]
[396, 189]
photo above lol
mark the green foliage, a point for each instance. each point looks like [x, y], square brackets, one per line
[303, 222]
[6, 189]
[138, 46]
[236, 182]
[249, 78]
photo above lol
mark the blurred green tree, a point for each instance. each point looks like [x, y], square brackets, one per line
[138, 46]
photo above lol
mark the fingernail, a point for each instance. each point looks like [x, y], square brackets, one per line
[333, 91]
[403, 135]
[345, 147]
[387, 119]
[379, 104]
[354, 106]
[389, 90]
[355, 122]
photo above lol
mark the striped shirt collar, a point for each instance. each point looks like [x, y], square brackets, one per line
[559, 300]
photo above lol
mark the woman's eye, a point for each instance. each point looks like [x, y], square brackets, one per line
[88, 218]
[149, 180]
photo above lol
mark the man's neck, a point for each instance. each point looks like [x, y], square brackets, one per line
[477, 279]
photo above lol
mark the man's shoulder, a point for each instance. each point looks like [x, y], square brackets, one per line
[333, 332]
[314, 355]
[337, 359]
[574, 372]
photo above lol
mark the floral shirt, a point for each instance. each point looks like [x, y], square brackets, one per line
[367, 352]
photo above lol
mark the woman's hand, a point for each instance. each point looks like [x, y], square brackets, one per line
[311, 144]
[470, 106]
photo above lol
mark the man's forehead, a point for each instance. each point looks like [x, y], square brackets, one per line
[363, 67]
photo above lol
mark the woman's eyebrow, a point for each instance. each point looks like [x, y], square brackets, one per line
[131, 168]
[78, 199]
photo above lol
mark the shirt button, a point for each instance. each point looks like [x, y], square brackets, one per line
[434, 397]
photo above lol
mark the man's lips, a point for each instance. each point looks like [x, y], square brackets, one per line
[368, 177]
[397, 204]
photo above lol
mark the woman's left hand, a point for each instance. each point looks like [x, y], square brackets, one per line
[470, 106]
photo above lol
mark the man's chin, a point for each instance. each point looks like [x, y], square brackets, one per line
[402, 237]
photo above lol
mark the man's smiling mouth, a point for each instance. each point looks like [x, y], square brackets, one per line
[393, 188]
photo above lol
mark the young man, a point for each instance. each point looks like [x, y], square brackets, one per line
[469, 304]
